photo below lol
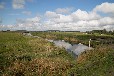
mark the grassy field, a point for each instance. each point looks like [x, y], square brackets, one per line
[97, 62]
[27, 56]
[78, 37]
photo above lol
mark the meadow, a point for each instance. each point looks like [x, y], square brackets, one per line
[78, 37]
[28, 56]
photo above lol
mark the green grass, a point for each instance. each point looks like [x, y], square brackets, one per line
[21, 55]
[27, 56]
[97, 62]
[78, 37]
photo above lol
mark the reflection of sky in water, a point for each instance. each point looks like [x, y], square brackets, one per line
[64, 44]
[77, 48]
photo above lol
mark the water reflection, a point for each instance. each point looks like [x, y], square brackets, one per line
[76, 49]
[79, 48]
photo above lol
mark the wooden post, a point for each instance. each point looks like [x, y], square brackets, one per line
[89, 43]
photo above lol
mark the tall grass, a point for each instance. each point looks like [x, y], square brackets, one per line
[97, 62]
[27, 56]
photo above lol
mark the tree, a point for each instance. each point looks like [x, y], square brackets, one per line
[104, 31]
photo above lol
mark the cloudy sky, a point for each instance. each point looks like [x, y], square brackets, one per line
[73, 15]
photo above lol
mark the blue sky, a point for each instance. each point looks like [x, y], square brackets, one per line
[10, 11]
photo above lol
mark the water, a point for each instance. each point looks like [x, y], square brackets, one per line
[79, 48]
[76, 49]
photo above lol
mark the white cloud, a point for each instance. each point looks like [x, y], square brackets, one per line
[34, 20]
[33, 24]
[6, 27]
[106, 21]
[18, 4]
[109, 27]
[2, 5]
[63, 19]
[50, 14]
[28, 21]
[26, 12]
[29, 24]
[63, 10]
[79, 15]
[58, 18]
[105, 8]
[78, 20]
[83, 15]
[78, 26]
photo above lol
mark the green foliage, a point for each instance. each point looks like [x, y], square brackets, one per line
[78, 37]
[27, 56]
[97, 62]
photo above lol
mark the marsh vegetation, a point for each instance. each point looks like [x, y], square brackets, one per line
[29, 56]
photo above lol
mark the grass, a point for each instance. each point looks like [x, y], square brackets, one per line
[27, 56]
[97, 62]
[78, 37]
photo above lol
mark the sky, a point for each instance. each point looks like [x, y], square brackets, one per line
[65, 15]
